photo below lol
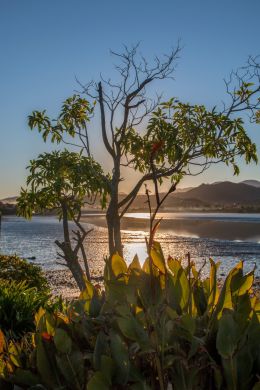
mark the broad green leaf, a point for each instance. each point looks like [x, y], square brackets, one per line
[240, 283]
[87, 294]
[213, 288]
[98, 382]
[158, 260]
[50, 323]
[174, 293]
[183, 283]
[120, 356]
[72, 368]
[39, 315]
[188, 323]
[108, 368]
[135, 266]
[174, 265]
[95, 306]
[171, 313]
[218, 377]
[62, 341]
[227, 336]
[44, 365]
[99, 350]
[225, 297]
[245, 362]
[199, 299]
[26, 377]
[118, 265]
[146, 266]
[132, 329]
[15, 354]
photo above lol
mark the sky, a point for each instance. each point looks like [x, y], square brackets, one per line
[45, 45]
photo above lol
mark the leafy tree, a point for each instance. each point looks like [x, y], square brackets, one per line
[180, 139]
[61, 181]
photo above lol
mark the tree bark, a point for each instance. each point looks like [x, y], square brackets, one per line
[76, 270]
[114, 227]
[85, 262]
[70, 257]
[112, 215]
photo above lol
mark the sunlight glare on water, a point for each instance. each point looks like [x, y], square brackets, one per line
[137, 215]
[132, 249]
[34, 240]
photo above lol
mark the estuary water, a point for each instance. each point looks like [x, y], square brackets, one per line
[224, 237]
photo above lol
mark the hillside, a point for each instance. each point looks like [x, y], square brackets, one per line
[254, 183]
[10, 200]
[225, 196]
[224, 193]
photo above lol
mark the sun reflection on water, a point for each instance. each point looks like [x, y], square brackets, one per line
[136, 248]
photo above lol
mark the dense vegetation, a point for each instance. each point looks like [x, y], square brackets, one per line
[18, 304]
[19, 270]
[158, 326]
[23, 290]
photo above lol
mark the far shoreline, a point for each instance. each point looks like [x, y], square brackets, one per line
[12, 211]
[195, 227]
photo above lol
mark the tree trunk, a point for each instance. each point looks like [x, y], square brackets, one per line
[76, 270]
[110, 230]
[70, 257]
[117, 234]
[114, 229]
[85, 262]
[112, 215]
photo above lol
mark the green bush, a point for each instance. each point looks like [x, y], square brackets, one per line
[18, 305]
[23, 290]
[159, 326]
[15, 268]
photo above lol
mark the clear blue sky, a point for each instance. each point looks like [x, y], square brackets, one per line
[45, 44]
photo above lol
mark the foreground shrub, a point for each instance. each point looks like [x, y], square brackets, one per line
[158, 326]
[15, 268]
[18, 305]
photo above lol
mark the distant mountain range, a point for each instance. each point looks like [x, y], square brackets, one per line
[10, 200]
[224, 192]
[225, 196]
[254, 183]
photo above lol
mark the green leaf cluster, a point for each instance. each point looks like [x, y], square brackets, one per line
[18, 304]
[180, 135]
[61, 177]
[23, 290]
[75, 114]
